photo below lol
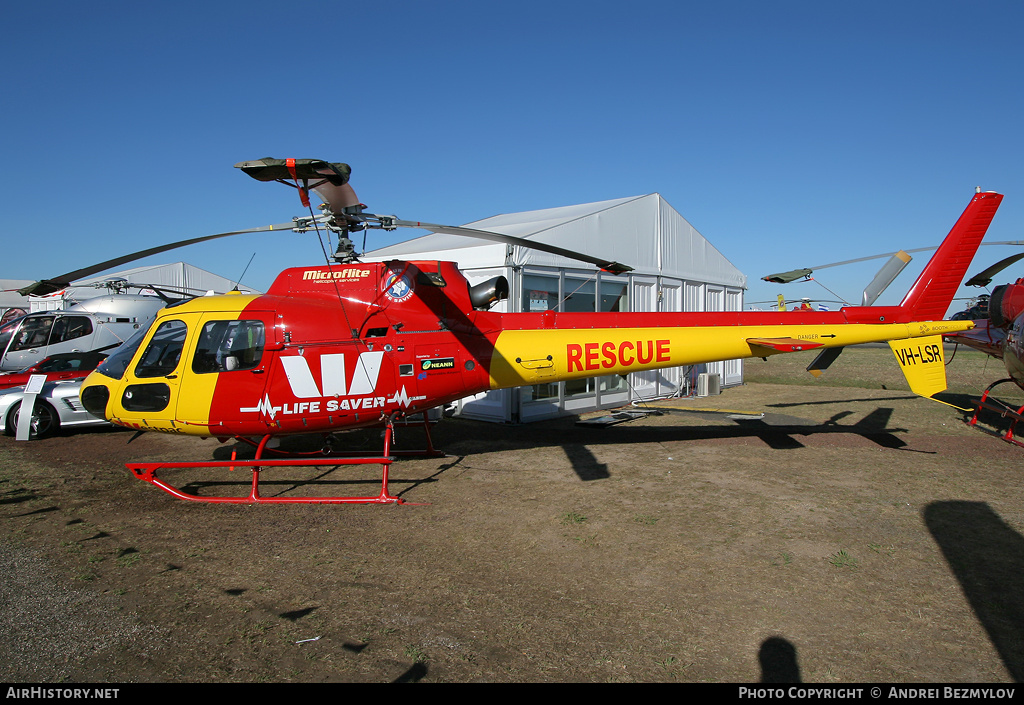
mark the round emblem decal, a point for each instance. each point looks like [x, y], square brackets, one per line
[397, 288]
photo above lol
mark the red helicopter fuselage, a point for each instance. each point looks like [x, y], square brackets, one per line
[346, 345]
[354, 345]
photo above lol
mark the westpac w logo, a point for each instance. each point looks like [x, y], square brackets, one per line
[332, 375]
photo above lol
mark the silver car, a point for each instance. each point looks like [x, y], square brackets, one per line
[56, 406]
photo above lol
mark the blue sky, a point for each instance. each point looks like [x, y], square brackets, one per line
[789, 134]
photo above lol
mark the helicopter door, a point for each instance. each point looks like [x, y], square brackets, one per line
[227, 365]
[151, 385]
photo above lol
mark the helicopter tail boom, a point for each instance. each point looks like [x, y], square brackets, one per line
[553, 346]
[574, 351]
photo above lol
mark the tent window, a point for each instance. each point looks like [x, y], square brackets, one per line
[578, 295]
[614, 296]
[540, 293]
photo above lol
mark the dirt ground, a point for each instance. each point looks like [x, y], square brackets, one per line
[847, 535]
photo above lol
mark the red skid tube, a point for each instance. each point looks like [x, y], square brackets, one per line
[147, 473]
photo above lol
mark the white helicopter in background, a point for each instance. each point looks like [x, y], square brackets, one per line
[96, 324]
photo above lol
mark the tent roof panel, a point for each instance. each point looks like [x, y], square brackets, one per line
[644, 232]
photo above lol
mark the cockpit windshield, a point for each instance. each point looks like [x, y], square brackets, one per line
[116, 365]
[7, 332]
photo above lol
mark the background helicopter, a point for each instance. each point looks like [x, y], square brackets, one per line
[350, 344]
[999, 331]
[999, 320]
[95, 324]
[75, 319]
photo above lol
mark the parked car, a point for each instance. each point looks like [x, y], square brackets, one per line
[74, 365]
[57, 405]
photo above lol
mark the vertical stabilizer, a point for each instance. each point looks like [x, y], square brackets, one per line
[930, 296]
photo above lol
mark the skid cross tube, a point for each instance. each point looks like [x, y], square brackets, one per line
[147, 473]
[429, 452]
[1004, 410]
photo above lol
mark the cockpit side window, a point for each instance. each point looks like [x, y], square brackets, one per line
[164, 351]
[225, 346]
[69, 328]
[33, 334]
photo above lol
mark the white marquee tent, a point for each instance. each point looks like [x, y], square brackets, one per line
[675, 269]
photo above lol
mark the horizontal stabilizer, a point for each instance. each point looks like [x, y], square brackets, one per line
[923, 363]
[784, 344]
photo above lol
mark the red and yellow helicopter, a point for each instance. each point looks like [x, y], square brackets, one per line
[349, 344]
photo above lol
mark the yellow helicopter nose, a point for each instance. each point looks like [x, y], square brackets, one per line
[95, 395]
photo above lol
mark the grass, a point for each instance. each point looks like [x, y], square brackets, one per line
[573, 518]
[415, 654]
[842, 559]
[127, 560]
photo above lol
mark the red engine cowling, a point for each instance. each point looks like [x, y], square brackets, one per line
[1006, 304]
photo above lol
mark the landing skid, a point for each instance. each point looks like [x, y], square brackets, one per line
[1005, 411]
[147, 472]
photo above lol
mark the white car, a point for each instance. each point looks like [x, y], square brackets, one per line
[56, 406]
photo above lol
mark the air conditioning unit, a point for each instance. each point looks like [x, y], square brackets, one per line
[708, 384]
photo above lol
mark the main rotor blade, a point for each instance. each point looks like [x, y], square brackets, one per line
[606, 265]
[332, 184]
[785, 277]
[270, 169]
[48, 286]
[984, 278]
